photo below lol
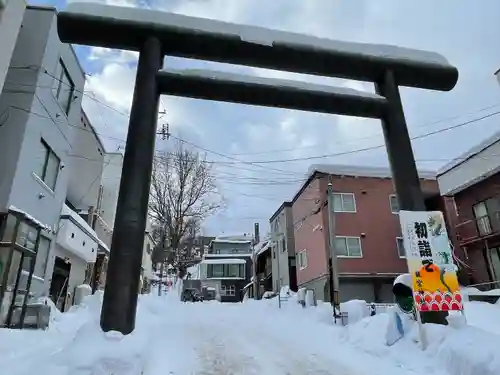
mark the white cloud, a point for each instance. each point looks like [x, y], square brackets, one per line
[259, 135]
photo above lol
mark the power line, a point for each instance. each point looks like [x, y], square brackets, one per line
[373, 147]
[365, 137]
[260, 163]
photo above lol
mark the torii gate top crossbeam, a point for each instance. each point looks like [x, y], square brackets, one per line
[197, 38]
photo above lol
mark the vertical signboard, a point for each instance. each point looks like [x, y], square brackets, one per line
[430, 261]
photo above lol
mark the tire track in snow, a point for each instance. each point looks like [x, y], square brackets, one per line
[222, 349]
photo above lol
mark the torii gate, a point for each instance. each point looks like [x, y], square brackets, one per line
[156, 35]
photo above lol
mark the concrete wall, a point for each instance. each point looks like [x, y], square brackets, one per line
[313, 241]
[11, 18]
[283, 246]
[34, 114]
[111, 175]
[86, 165]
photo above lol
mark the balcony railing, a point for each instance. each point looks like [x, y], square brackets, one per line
[484, 226]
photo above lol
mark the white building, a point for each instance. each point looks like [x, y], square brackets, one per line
[111, 176]
[283, 248]
[39, 105]
[11, 16]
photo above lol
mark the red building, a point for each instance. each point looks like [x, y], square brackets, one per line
[471, 185]
[368, 243]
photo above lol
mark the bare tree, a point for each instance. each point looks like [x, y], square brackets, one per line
[183, 193]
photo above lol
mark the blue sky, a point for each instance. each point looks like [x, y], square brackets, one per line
[464, 31]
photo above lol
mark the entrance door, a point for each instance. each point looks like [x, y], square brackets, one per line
[59, 284]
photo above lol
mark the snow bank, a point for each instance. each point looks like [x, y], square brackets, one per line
[355, 309]
[470, 350]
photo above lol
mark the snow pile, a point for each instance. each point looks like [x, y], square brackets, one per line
[254, 337]
[452, 350]
[468, 350]
[356, 310]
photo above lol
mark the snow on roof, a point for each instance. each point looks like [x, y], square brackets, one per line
[362, 171]
[286, 83]
[224, 261]
[470, 153]
[254, 34]
[81, 222]
[261, 247]
[235, 238]
[31, 219]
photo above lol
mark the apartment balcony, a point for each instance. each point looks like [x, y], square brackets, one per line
[483, 227]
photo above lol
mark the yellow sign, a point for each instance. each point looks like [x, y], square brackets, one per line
[430, 261]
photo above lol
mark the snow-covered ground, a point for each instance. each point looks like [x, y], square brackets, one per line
[255, 337]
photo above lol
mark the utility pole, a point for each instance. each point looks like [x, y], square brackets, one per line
[332, 259]
[256, 240]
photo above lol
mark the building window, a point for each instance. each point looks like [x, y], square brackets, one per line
[217, 270]
[283, 244]
[401, 247]
[482, 218]
[26, 236]
[302, 259]
[393, 201]
[348, 247]
[65, 87]
[227, 290]
[48, 166]
[226, 270]
[344, 202]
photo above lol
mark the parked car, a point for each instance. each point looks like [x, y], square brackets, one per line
[191, 295]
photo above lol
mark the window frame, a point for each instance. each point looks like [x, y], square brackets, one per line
[303, 256]
[48, 152]
[342, 210]
[398, 247]
[226, 267]
[64, 72]
[391, 206]
[345, 238]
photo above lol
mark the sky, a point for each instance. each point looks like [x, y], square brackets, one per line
[261, 155]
